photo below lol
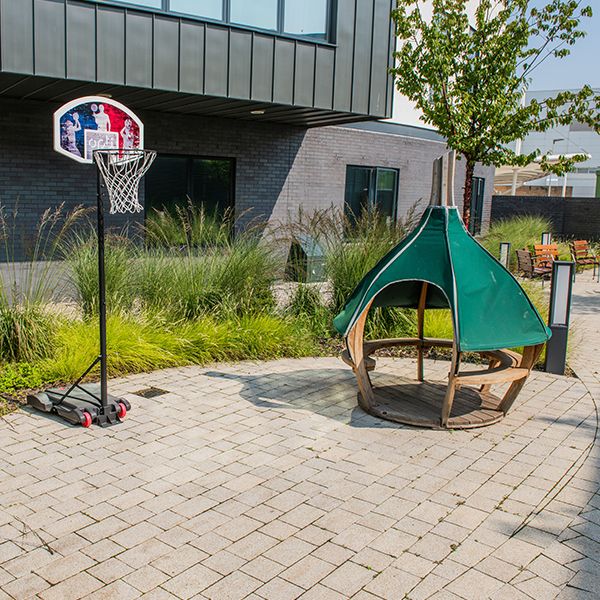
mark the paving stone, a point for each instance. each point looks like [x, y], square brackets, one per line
[474, 585]
[236, 586]
[146, 578]
[302, 496]
[280, 589]
[307, 572]
[191, 582]
[78, 586]
[348, 578]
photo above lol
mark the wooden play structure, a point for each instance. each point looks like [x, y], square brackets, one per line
[441, 266]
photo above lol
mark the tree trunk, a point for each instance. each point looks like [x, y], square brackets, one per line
[468, 192]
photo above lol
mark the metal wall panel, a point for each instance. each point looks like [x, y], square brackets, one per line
[283, 76]
[110, 27]
[262, 67]
[166, 54]
[81, 41]
[191, 52]
[240, 64]
[361, 71]
[49, 50]
[128, 45]
[304, 80]
[138, 49]
[16, 36]
[344, 55]
[216, 64]
[324, 77]
[379, 58]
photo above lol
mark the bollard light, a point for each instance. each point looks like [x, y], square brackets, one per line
[546, 238]
[560, 311]
[505, 255]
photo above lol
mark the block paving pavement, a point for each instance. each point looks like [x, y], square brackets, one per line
[265, 481]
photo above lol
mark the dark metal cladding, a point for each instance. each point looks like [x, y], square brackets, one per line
[94, 44]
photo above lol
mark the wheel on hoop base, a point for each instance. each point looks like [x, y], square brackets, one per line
[122, 413]
[86, 420]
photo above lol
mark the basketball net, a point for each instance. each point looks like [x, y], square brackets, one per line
[121, 172]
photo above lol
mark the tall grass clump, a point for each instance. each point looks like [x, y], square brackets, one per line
[235, 278]
[26, 328]
[307, 307]
[81, 253]
[189, 226]
[147, 342]
[522, 232]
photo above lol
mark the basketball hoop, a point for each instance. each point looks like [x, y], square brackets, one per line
[121, 172]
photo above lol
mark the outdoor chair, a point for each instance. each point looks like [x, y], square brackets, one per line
[527, 266]
[545, 255]
[583, 256]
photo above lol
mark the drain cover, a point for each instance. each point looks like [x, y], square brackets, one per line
[150, 392]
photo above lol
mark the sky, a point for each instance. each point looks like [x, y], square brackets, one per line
[580, 67]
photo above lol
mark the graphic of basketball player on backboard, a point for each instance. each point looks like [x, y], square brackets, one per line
[101, 118]
[128, 135]
[69, 131]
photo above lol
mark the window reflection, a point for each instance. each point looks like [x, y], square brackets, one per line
[258, 13]
[211, 9]
[306, 17]
[148, 3]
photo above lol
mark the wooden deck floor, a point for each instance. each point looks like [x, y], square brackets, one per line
[420, 404]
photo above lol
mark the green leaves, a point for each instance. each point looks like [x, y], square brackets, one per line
[468, 78]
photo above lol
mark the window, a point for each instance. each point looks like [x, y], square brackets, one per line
[476, 205]
[176, 180]
[148, 3]
[306, 18]
[211, 9]
[371, 188]
[258, 13]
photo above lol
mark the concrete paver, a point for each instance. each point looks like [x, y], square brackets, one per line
[266, 481]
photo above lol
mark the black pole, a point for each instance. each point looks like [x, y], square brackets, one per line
[102, 297]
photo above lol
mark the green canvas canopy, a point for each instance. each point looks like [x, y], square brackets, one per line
[489, 308]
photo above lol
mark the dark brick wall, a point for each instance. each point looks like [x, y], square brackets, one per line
[570, 217]
[278, 167]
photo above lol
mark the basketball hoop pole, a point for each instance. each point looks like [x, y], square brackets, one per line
[101, 295]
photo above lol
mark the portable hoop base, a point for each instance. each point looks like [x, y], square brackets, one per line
[81, 406]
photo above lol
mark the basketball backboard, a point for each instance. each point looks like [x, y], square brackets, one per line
[95, 123]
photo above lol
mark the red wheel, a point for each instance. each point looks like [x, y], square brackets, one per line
[122, 410]
[87, 419]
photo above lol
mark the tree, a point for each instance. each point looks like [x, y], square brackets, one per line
[469, 81]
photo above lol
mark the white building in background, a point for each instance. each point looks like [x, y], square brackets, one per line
[576, 138]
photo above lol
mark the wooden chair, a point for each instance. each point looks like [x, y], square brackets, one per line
[583, 256]
[527, 266]
[545, 255]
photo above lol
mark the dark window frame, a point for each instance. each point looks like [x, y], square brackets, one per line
[189, 174]
[373, 186]
[330, 29]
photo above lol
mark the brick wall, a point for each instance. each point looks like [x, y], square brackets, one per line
[278, 167]
[571, 217]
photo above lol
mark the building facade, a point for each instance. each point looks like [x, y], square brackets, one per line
[259, 107]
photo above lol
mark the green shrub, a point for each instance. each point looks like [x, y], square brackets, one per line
[522, 232]
[308, 308]
[139, 344]
[19, 376]
[189, 226]
[26, 332]
[82, 256]
[234, 279]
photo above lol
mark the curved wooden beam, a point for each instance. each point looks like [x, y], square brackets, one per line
[355, 343]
